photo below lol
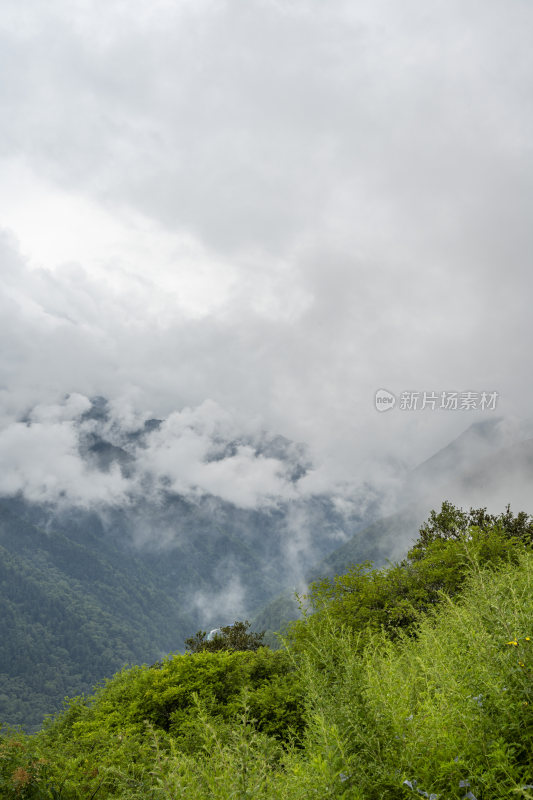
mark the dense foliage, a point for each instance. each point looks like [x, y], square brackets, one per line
[404, 682]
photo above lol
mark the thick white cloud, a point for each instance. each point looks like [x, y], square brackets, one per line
[42, 462]
[279, 206]
[183, 454]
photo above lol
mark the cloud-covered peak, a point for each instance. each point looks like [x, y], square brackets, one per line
[84, 452]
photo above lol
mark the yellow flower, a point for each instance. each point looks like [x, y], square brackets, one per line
[513, 642]
[528, 639]
[521, 664]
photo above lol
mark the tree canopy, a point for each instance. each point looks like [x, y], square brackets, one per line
[234, 638]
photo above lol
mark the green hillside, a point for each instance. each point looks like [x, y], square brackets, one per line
[71, 612]
[410, 680]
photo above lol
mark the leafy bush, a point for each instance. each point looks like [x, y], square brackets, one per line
[165, 697]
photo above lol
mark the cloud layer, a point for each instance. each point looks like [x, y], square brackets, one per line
[84, 453]
[280, 207]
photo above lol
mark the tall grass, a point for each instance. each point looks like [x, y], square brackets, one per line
[446, 713]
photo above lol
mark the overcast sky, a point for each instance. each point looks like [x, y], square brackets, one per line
[276, 206]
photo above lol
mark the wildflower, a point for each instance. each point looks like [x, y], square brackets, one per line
[513, 642]
[521, 664]
[527, 638]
